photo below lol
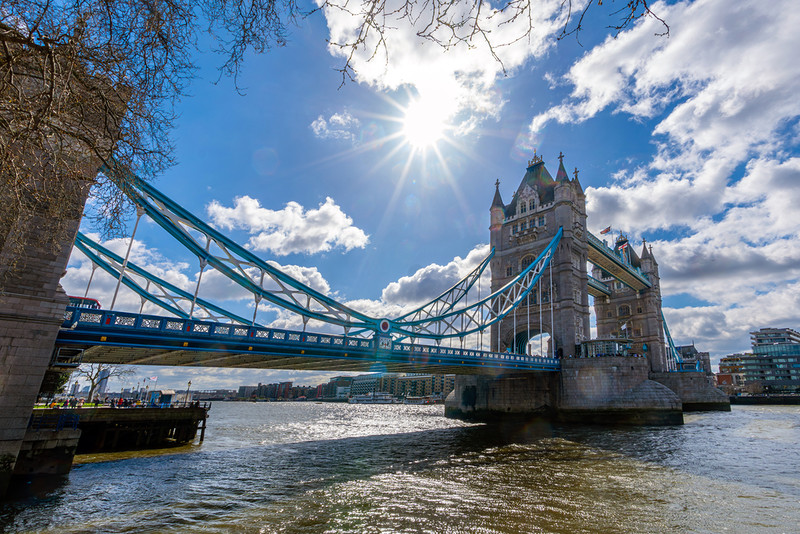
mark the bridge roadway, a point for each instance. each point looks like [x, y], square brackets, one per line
[135, 339]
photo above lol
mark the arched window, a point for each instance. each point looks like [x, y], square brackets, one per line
[532, 205]
[523, 207]
[527, 260]
[624, 310]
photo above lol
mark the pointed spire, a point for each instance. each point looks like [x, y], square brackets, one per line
[561, 175]
[577, 183]
[645, 252]
[498, 200]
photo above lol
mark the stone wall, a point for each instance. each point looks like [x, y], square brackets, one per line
[614, 390]
[32, 305]
[482, 398]
[694, 390]
[587, 390]
[46, 452]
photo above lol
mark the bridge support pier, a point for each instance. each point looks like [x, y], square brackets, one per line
[609, 390]
[695, 391]
[35, 244]
[486, 398]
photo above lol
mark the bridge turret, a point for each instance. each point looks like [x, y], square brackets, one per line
[539, 208]
[497, 214]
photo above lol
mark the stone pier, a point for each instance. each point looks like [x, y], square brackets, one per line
[611, 390]
[694, 390]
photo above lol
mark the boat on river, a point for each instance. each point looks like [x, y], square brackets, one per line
[373, 398]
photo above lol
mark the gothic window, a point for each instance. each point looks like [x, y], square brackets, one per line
[638, 310]
[509, 271]
[541, 220]
[637, 332]
[608, 314]
[624, 310]
[523, 226]
[531, 205]
[527, 260]
[514, 229]
[523, 207]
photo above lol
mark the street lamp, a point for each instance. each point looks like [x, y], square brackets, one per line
[188, 386]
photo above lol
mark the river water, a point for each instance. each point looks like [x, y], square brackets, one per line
[331, 468]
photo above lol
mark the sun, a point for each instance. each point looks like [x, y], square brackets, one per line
[424, 123]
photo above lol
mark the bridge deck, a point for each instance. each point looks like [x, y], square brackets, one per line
[133, 339]
[604, 257]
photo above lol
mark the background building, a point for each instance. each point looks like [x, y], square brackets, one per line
[772, 367]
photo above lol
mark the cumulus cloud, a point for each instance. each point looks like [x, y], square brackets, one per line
[431, 281]
[292, 229]
[721, 91]
[337, 126]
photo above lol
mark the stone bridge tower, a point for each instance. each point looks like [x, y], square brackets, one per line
[635, 315]
[520, 230]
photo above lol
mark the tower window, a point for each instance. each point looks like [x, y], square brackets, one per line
[531, 205]
[541, 220]
[514, 229]
[522, 226]
[624, 310]
[638, 310]
[523, 207]
[509, 271]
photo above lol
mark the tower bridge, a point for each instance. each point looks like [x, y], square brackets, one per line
[539, 285]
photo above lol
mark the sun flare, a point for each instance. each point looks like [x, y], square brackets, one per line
[424, 123]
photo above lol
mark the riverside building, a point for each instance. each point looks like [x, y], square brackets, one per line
[772, 367]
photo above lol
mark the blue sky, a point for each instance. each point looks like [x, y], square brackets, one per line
[689, 141]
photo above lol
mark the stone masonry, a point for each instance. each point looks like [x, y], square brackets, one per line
[31, 312]
[520, 231]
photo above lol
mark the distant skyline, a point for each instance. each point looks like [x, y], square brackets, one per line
[377, 193]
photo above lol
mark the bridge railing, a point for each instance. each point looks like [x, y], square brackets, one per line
[152, 325]
[473, 353]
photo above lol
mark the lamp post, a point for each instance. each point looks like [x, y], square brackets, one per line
[188, 386]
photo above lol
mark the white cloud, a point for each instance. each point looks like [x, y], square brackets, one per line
[337, 126]
[431, 281]
[722, 92]
[292, 229]
[458, 78]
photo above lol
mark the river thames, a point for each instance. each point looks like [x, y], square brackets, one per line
[332, 468]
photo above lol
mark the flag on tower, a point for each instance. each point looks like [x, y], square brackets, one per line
[605, 230]
[153, 378]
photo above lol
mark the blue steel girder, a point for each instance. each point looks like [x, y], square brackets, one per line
[603, 257]
[487, 311]
[171, 297]
[240, 265]
[250, 272]
[135, 339]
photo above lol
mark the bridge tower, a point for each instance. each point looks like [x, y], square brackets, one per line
[636, 315]
[519, 231]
